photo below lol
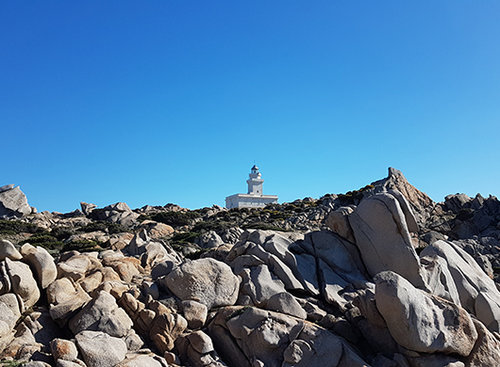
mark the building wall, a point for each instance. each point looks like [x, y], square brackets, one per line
[237, 201]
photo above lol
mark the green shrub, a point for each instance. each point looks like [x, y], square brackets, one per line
[84, 246]
[16, 226]
[61, 233]
[354, 197]
[176, 219]
[45, 240]
[184, 237]
[108, 227]
[263, 226]
[212, 225]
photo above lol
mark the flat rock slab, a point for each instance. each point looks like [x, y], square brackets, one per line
[207, 281]
[422, 322]
[100, 350]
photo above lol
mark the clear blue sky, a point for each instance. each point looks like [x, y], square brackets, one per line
[151, 102]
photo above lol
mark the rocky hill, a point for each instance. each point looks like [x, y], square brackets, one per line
[381, 276]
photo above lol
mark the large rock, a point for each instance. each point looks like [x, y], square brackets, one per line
[65, 297]
[13, 202]
[274, 340]
[486, 351]
[63, 349]
[42, 262]
[338, 222]
[422, 322]
[7, 249]
[16, 277]
[419, 202]
[100, 350]
[195, 313]
[165, 326]
[10, 312]
[382, 236]
[143, 360]
[207, 281]
[460, 274]
[102, 314]
[117, 213]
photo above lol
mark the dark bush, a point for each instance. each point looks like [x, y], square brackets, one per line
[108, 227]
[84, 246]
[16, 226]
[212, 225]
[45, 240]
[263, 226]
[354, 197]
[176, 219]
[184, 237]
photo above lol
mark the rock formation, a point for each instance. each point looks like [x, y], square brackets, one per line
[381, 276]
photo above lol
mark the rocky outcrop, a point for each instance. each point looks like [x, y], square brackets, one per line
[13, 202]
[42, 262]
[100, 350]
[381, 229]
[254, 337]
[16, 277]
[7, 250]
[421, 204]
[116, 213]
[421, 322]
[459, 278]
[207, 281]
[192, 288]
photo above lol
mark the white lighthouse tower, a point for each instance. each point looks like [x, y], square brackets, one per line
[255, 197]
[255, 181]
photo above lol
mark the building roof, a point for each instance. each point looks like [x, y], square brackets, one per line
[255, 167]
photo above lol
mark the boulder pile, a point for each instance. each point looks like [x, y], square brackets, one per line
[380, 282]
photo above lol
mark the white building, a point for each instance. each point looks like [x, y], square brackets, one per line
[254, 198]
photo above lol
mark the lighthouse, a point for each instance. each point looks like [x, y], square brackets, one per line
[255, 197]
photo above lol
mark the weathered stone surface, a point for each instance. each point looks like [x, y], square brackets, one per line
[63, 349]
[65, 297]
[87, 207]
[76, 267]
[143, 360]
[338, 263]
[13, 202]
[209, 239]
[259, 284]
[287, 304]
[7, 249]
[42, 262]
[156, 229]
[75, 363]
[338, 222]
[201, 342]
[250, 334]
[37, 364]
[99, 349]
[10, 312]
[383, 239]
[102, 314]
[16, 277]
[164, 326]
[195, 313]
[396, 181]
[41, 325]
[477, 293]
[207, 281]
[486, 351]
[117, 213]
[421, 322]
